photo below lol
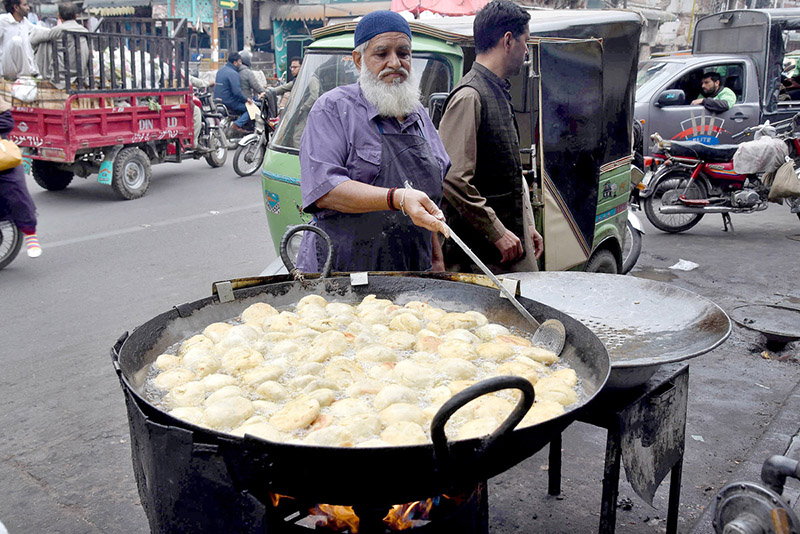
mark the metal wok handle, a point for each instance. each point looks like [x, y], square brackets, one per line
[287, 261]
[441, 448]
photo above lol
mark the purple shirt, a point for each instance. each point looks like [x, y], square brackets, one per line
[341, 142]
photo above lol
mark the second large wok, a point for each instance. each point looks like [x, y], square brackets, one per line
[351, 475]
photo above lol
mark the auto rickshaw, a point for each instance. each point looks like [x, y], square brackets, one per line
[574, 107]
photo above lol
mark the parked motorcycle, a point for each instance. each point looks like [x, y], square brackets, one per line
[696, 179]
[211, 141]
[633, 228]
[251, 148]
[10, 241]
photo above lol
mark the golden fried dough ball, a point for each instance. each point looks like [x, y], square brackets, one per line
[362, 425]
[190, 414]
[456, 369]
[402, 411]
[272, 391]
[343, 372]
[201, 363]
[194, 342]
[229, 412]
[393, 393]
[367, 386]
[491, 331]
[404, 433]
[166, 362]
[539, 354]
[514, 340]
[495, 351]
[567, 376]
[283, 322]
[455, 348]
[262, 373]
[451, 321]
[554, 389]
[258, 312]
[519, 369]
[457, 386]
[217, 381]
[296, 414]
[428, 343]
[185, 395]
[324, 346]
[324, 396]
[339, 308]
[541, 411]
[400, 340]
[216, 331]
[241, 359]
[331, 436]
[224, 393]
[349, 407]
[493, 407]
[463, 335]
[480, 319]
[315, 300]
[382, 371]
[376, 353]
[174, 377]
[414, 375]
[477, 428]
[406, 322]
[310, 368]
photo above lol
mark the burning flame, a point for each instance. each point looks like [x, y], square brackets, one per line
[276, 498]
[401, 515]
[337, 517]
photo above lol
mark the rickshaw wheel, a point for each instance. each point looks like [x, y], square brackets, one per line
[131, 176]
[602, 261]
[49, 176]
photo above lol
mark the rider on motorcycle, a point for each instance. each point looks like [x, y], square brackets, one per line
[16, 203]
[229, 90]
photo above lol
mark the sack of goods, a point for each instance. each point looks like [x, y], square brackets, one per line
[762, 155]
[786, 183]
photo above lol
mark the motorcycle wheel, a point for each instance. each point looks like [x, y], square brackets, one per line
[632, 248]
[666, 193]
[10, 242]
[248, 158]
[219, 152]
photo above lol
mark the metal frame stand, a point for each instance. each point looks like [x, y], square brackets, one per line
[653, 417]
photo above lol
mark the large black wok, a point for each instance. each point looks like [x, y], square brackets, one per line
[194, 477]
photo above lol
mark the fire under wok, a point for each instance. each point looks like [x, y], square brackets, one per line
[185, 469]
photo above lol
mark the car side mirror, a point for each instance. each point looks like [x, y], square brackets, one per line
[671, 97]
[436, 107]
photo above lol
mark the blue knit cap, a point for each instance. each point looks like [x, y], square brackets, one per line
[379, 22]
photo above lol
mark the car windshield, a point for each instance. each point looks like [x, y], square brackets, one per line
[651, 75]
[321, 72]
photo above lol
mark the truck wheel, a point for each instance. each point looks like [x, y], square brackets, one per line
[131, 173]
[219, 152]
[49, 176]
[602, 261]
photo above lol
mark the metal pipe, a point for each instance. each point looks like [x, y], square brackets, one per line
[776, 469]
[689, 209]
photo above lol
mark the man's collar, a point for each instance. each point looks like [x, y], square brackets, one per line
[491, 75]
[372, 111]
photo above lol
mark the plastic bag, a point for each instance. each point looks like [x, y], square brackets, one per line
[786, 183]
[10, 155]
[763, 155]
[24, 89]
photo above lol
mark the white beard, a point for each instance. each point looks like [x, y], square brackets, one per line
[397, 99]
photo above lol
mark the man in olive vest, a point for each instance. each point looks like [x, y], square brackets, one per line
[484, 187]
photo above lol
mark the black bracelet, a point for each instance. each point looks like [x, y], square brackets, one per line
[390, 199]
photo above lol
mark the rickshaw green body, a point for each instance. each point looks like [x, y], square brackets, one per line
[583, 162]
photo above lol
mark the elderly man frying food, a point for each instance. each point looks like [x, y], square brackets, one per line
[372, 164]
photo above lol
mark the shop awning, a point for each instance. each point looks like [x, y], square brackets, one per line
[113, 7]
[442, 7]
[327, 11]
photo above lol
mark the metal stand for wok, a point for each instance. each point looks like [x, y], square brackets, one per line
[646, 432]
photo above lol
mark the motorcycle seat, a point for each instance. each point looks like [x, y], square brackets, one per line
[708, 153]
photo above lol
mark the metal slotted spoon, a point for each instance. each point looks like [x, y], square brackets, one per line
[548, 335]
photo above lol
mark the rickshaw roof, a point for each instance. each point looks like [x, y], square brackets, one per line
[543, 21]
[786, 18]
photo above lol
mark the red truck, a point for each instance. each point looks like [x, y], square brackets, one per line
[128, 105]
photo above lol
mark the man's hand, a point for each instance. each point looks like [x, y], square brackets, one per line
[422, 210]
[509, 246]
[697, 101]
[538, 242]
[249, 100]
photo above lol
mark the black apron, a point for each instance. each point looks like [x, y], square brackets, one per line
[387, 240]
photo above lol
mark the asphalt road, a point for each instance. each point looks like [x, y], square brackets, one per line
[109, 265]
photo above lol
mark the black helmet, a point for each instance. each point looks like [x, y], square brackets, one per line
[246, 56]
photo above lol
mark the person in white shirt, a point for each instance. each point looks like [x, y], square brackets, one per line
[16, 53]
